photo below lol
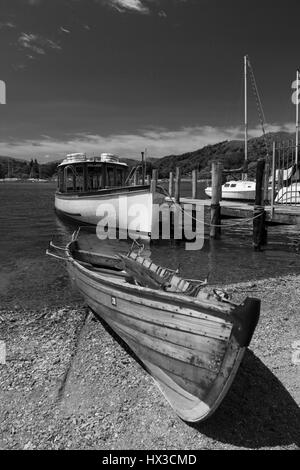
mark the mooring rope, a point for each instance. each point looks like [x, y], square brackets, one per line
[240, 222]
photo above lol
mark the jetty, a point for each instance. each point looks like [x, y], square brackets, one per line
[276, 174]
[242, 210]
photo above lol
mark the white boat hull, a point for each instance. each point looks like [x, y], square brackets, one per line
[129, 211]
[236, 190]
[238, 196]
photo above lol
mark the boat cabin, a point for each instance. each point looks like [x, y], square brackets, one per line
[79, 173]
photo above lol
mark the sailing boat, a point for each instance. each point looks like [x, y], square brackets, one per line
[290, 193]
[244, 189]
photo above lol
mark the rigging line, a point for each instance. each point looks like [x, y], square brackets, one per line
[261, 113]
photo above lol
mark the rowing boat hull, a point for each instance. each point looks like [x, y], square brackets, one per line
[189, 347]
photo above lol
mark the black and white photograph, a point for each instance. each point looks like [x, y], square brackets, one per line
[149, 228]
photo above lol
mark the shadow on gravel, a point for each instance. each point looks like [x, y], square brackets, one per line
[257, 411]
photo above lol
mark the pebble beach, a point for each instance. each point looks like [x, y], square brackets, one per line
[69, 383]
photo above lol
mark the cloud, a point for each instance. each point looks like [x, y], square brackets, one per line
[159, 142]
[162, 14]
[125, 5]
[65, 30]
[7, 24]
[36, 43]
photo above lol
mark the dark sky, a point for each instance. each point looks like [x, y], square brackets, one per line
[124, 75]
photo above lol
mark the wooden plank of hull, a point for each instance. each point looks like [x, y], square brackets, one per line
[184, 384]
[187, 405]
[157, 314]
[202, 306]
[206, 360]
[209, 352]
[177, 365]
[194, 378]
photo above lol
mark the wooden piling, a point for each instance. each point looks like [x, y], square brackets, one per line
[177, 185]
[171, 183]
[266, 183]
[273, 178]
[259, 221]
[215, 208]
[194, 184]
[154, 181]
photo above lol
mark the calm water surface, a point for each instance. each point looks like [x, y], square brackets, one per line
[28, 223]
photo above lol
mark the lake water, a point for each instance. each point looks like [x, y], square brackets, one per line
[29, 278]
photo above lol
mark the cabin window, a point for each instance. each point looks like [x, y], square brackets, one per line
[120, 177]
[110, 172]
[70, 179]
[227, 185]
[90, 177]
[95, 177]
[79, 177]
[233, 185]
[61, 184]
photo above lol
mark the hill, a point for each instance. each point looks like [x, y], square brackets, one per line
[231, 153]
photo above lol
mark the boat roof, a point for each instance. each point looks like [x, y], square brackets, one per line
[74, 158]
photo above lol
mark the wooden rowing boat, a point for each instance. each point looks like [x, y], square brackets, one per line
[191, 342]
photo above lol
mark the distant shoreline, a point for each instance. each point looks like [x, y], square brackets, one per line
[23, 180]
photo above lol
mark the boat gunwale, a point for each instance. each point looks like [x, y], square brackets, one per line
[115, 190]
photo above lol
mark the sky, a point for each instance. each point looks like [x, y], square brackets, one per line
[120, 76]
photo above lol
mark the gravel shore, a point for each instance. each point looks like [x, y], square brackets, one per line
[69, 384]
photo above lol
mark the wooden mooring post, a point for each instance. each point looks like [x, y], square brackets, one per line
[154, 181]
[273, 179]
[171, 183]
[215, 208]
[194, 184]
[259, 214]
[177, 185]
[266, 183]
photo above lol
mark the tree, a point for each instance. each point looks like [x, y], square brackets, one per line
[2, 171]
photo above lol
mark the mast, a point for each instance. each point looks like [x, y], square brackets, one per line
[297, 117]
[246, 113]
